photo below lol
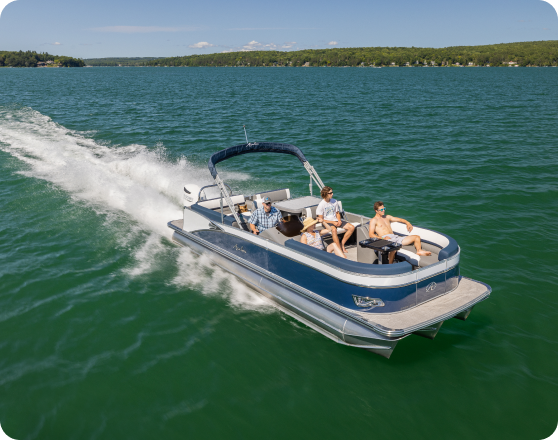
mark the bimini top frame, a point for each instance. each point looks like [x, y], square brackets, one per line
[257, 147]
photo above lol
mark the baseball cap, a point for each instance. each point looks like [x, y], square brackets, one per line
[266, 200]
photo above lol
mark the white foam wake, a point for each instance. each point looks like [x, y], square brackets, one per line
[135, 181]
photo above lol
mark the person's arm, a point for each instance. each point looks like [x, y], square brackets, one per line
[252, 222]
[338, 215]
[320, 213]
[400, 220]
[303, 239]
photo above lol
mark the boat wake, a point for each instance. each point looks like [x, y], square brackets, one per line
[134, 182]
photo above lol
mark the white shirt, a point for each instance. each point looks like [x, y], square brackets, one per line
[328, 209]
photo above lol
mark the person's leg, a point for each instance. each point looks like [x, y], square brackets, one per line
[350, 229]
[333, 248]
[415, 239]
[392, 257]
[333, 229]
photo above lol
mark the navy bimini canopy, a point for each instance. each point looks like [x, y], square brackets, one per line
[253, 147]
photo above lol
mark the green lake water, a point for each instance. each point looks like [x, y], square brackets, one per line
[110, 331]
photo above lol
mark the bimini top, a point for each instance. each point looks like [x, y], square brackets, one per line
[253, 147]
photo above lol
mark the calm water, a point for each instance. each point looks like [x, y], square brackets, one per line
[109, 331]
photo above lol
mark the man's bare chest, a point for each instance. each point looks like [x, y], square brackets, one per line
[383, 225]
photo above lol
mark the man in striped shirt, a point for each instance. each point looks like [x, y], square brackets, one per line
[265, 217]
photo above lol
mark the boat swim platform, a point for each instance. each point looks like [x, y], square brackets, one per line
[457, 303]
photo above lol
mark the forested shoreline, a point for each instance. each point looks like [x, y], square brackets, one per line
[526, 54]
[118, 61]
[34, 59]
[535, 53]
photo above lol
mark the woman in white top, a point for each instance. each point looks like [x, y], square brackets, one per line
[314, 238]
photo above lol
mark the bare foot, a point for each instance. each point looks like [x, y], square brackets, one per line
[424, 253]
[345, 251]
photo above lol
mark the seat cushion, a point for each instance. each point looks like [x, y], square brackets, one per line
[409, 256]
[319, 227]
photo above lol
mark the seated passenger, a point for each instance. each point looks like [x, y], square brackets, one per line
[314, 239]
[265, 217]
[380, 227]
[329, 215]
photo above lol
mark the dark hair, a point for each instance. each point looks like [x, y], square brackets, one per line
[325, 190]
[377, 205]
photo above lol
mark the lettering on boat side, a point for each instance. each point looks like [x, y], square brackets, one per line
[431, 287]
[239, 248]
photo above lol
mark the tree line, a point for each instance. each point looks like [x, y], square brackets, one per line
[534, 53]
[117, 62]
[30, 59]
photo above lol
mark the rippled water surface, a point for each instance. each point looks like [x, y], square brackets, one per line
[109, 331]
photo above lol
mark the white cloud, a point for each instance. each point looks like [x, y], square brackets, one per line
[252, 45]
[256, 45]
[332, 43]
[57, 44]
[141, 29]
[201, 45]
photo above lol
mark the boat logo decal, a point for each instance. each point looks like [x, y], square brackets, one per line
[239, 248]
[431, 287]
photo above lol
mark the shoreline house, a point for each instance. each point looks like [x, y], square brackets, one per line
[48, 63]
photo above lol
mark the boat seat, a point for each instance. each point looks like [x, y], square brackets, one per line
[275, 196]
[319, 227]
[409, 256]
[216, 203]
[409, 253]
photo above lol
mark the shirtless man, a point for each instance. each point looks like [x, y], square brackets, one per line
[380, 227]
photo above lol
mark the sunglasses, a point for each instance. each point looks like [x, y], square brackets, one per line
[383, 209]
[330, 192]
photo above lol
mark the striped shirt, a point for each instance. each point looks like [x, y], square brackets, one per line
[263, 220]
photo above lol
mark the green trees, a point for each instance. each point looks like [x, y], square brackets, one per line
[30, 59]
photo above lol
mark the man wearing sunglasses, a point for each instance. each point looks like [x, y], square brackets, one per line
[328, 214]
[265, 217]
[380, 227]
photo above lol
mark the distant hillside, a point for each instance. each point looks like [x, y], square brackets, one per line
[34, 59]
[534, 53]
[114, 62]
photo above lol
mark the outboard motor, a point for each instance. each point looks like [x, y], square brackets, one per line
[191, 193]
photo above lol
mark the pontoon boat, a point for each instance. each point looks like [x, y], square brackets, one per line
[358, 301]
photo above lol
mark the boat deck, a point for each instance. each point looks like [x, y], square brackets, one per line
[178, 223]
[468, 293]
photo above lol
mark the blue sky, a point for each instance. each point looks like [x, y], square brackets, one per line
[110, 28]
